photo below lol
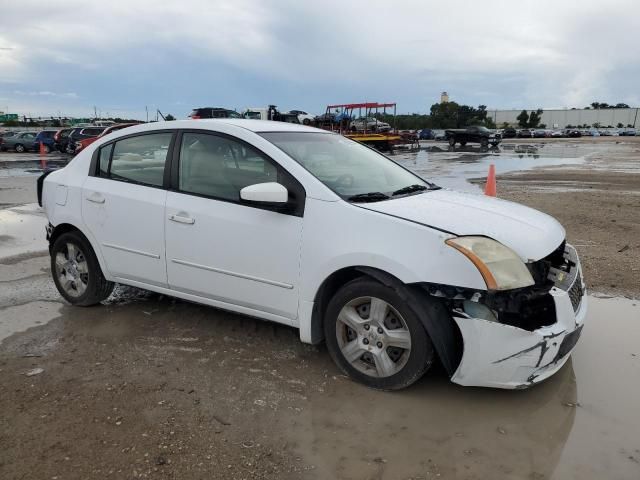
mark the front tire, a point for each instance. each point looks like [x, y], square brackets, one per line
[19, 148]
[76, 271]
[375, 337]
[452, 141]
[306, 121]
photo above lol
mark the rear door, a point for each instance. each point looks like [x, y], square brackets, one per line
[224, 249]
[123, 205]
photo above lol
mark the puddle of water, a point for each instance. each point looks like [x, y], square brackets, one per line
[20, 164]
[20, 318]
[452, 168]
[581, 423]
[22, 229]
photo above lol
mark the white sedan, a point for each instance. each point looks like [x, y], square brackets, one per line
[310, 229]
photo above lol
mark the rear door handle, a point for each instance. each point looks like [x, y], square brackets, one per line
[182, 219]
[96, 198]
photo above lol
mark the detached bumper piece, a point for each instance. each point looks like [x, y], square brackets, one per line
[517, 339]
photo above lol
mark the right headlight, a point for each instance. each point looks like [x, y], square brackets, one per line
[500, 267]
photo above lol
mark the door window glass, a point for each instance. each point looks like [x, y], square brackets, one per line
[141, 159]
[219, 167]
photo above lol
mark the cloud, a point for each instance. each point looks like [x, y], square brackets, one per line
[307, 54]
[46, 93]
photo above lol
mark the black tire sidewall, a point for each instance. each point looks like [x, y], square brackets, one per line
[19, 148]
[95, 272]
[422, 351]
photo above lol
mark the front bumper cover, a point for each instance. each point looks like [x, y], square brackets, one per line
[505, 356]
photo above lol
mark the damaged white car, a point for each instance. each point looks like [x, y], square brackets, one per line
[310, 229]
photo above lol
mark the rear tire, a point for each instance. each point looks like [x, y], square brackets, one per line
[452, 141]
[19, 148]
[76, 271]
[374, 337]
[306, 121]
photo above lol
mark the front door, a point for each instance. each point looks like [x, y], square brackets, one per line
[123, 206]
[218, 247]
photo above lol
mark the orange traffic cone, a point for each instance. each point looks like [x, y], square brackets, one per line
[42, 149]
[490, 187]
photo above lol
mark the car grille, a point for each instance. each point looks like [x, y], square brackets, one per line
[576, 292]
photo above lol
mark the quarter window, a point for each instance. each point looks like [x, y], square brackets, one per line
[219, 167]
[105, 156]
[138, 159]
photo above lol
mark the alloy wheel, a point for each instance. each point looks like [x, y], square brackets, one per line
[373, 337]
[72, 270]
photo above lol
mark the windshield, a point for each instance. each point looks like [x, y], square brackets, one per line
[347, 167]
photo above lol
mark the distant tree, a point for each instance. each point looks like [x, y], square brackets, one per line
[542, 125]
[595, 105]
[504, 125]
[523, 119]
[570, 126]
[534, 118]
[169, 117]
[619, 125]
[629, 125]
[596, 125]
[621, 105]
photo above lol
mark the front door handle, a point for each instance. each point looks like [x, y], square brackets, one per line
[182, 219]
[96, 198]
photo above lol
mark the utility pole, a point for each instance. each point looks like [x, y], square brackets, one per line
[147, 110]
[95, 112]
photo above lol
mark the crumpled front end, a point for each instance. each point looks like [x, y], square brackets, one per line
[505, 350]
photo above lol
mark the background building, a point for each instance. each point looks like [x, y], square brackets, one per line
[444, 97]
[560, 118]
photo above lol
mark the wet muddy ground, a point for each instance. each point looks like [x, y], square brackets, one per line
[147, 386]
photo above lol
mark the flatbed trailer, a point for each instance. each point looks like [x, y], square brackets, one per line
[379, 140]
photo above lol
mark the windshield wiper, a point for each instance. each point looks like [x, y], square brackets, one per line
[409, 189]
[368, 197]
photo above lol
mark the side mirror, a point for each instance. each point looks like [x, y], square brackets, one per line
[270, 192]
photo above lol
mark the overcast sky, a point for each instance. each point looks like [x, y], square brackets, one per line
[67, 56]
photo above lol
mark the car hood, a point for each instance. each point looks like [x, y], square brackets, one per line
[531, 234]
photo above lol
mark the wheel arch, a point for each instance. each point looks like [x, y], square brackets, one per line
[445, 335]
[66, 227]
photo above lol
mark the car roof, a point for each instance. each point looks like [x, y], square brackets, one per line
[210, 123]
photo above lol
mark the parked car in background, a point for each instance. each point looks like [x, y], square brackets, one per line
[425, 134]
[540, 133]
[326, 118]
[213, 112]
[7, 134]
[557, 134]
[46, 137]
[313, 230]
[572, 133]
[439, 135]
[509, 133]
[80, 133]
[304, 117]
[369, 124]
[61, 139]
[85, 142]
[270, 113]
[628, 132]
[20, 142]
[525, 133]
[474, 134]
